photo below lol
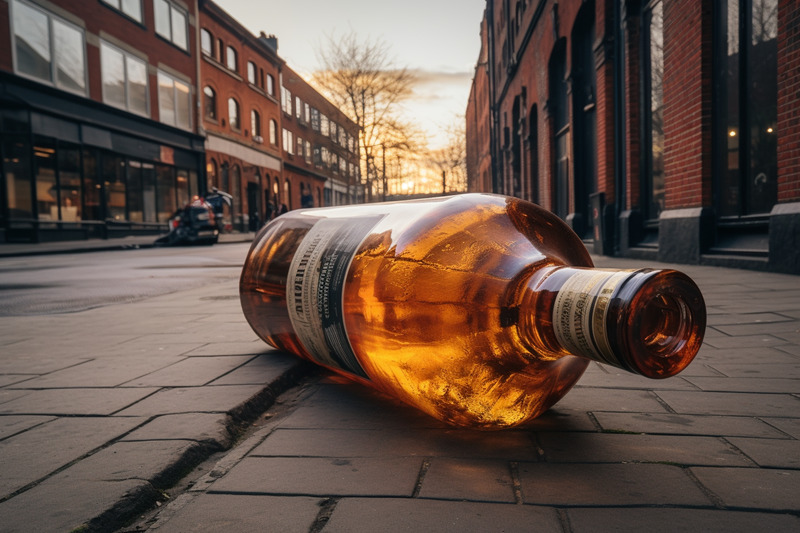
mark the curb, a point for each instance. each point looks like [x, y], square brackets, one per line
[143, 498]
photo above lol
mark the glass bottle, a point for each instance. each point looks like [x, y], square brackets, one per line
[480, 310]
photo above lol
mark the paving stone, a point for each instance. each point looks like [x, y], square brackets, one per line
[102, 372]
[216, 399]
[397, 515]
[477, 480]
[511, 445]
[75, 401]
[597, 399]
[750, 384]
[190, 372]
[8, 395]
[790, 426]
[147, 460]
[607, 485]
[740, 341]
[730, 403]
[11, 379]
[622, 448]
[619, 379]
[559, 419]
[775, 453]
[752, 488]
[759, 369]
[714, 356]
[674, 424]
[745, 318]
[314, 476]
[251, 347]
[205, 427]
[213, 513]
[54, 506]
[772, 328]
[261, 369]
[33, 454]
[12, 424]
[25, 363]
[654, 520]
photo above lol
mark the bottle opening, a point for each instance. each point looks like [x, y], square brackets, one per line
[665, 326]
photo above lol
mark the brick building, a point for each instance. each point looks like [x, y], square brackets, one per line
[114, 113]
[97, 122]
[663, 129]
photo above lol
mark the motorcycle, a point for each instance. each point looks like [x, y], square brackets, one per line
[195, 223]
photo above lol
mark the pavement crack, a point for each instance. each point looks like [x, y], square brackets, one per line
[327, 506]
[426, 464]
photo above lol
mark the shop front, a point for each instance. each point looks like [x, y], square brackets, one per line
[75, 169]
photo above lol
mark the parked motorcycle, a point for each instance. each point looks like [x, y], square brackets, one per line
[195, 223]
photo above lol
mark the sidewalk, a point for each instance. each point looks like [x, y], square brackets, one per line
[96, 433]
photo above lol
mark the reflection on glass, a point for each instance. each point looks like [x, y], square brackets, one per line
[178, 28]
[137, 85]
[69, 181]
[166, 99]
[32, 41]
[70, 63]
[17, 179]
[656, 111]
[183, 102]
[165, 177]
[114, 182]
[112, 64]
[161, 9]
[44, 162]
[135, 198]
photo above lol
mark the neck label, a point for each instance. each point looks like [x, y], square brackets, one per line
[580, 313]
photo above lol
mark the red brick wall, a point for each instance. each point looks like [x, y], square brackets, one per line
[789, 101]
[687, 103]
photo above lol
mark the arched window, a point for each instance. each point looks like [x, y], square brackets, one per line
[255, 125]
[211, 174]
[210, 103]
[287, 194]
[232, 59]
[233, 114]
[207, 42]
[273, 132]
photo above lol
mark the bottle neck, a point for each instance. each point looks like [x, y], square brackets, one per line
[649, 322]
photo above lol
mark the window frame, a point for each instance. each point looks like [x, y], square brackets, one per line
[207, 99]
[117, 5]
[175, 81]
[210, 52]
[171, 9]
[126, 57]
[231, 53]
[53, 52]
[238, 108]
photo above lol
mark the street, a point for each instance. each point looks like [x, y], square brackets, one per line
[131, 378]
[63, 283]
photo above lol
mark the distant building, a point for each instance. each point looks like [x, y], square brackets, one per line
[663, 129]
[97, 117]
[115, 113]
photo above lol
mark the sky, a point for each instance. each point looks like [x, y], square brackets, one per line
[437, 39]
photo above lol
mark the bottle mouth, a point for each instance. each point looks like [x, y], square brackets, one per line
[666, 330]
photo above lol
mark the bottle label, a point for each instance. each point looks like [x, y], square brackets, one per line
[315, 289]
[580, 312]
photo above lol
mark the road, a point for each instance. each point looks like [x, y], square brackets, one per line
[65, 283]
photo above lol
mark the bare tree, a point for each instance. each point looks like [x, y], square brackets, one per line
[451, 159]
[362, 80]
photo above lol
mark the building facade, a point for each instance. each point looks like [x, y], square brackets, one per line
[661, 129]
[114, 113]
[98, 130]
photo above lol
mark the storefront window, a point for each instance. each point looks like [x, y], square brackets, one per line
[149, 192]
[135, 197]
[114, 183]
[18, 186]
[184, 188]
[92, 188]
[165, 200]
[69, 184]
[747, 67]
[44, 162]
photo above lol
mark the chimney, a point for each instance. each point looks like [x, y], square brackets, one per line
[269, 40]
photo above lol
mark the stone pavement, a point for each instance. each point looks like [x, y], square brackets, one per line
[93, 434]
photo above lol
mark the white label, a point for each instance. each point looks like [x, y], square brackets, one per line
[315, 289]
[581, 310]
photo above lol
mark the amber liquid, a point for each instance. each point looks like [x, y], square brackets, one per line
[437, 303]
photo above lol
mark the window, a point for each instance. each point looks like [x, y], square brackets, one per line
[255, 125]
[324, 125]
[288, 141]
[286, 100]
[207, 42]
[746, 113]
[174, 101]
[124, 79]
[171, 23]
[653, 116]
[232, 59]
[271, 84]
[307, 113]
[315, 119]
[209, 103]
[298, 108]
[48, 48]
[132, 8]
[251, 73]
[300, 147]
[273, 132]
[233, 114]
